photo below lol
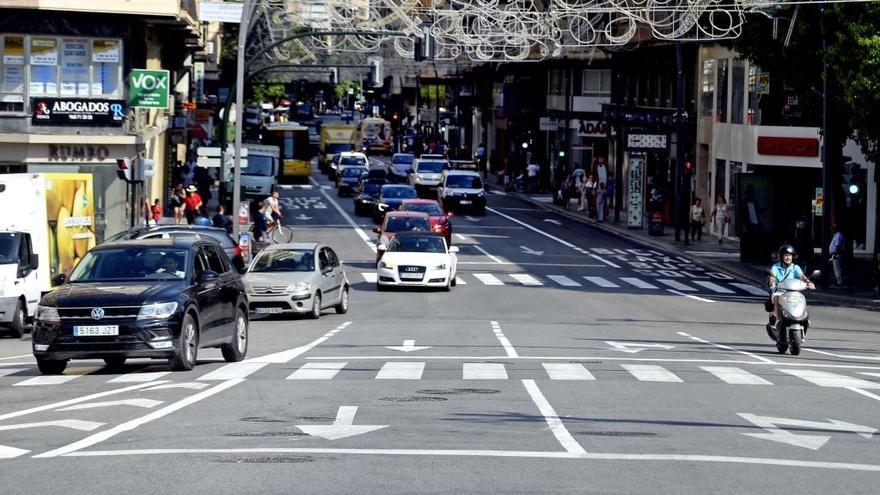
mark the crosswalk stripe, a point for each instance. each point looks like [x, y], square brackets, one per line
[826, 379]
[637, 282]
[401, 371]
[563, 281]
[488, 279]
[675, 284]
[370, 277]
[751, 289]
[868, 373]
[500, 193]
[735, 376]
[317, 371]
[139, 377]
[713, 287]
[651, 373]
[232, 371]
[459, 280]
[484, 371]
[11, 371]
[567, 371]
[46, 380]
[525, 279]
[601, 282]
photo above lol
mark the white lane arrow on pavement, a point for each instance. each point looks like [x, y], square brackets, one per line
[302, 217]
[342, 427]
[408, 346]
[812, 442]
[529, 250]
[73, 424]
[7, 452]
[472, 219]
[557, 222]
[632, 348]
[145, 403]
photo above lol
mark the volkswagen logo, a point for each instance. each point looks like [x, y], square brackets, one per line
[97, 313]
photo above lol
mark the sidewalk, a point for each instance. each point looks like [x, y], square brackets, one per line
[709, 254]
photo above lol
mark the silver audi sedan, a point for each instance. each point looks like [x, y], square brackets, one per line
[301, 278]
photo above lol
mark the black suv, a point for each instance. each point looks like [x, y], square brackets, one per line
[160, 299]
[235, 254]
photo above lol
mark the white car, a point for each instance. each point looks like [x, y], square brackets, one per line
[348, 159]
[417, 259]
[425, 173]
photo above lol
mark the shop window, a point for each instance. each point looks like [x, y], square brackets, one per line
[721, 101]
[12, 73]
[75, 67]
[737, 92]
[595, 82]
[707, 88]
[759, 85]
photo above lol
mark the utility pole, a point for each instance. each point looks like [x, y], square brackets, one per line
[827, 143]
[679, 143]
[243, 30]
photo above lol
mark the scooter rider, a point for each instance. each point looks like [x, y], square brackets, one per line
[782, 270]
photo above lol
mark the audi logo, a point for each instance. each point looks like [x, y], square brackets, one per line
[412, 269]
[97, 313]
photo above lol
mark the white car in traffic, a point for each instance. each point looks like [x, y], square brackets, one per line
[417, 259]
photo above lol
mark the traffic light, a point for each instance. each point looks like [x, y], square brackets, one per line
[851, 174]
[334, 75]
[561, 153]
[376, 77]
[123, 168]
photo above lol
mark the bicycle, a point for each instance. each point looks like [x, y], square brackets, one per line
[279, 233]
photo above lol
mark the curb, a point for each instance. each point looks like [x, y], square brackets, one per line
[739, 273]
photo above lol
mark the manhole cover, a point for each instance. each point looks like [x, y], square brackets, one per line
[265, 434]
[413, 399]
[634, 434]
[458, 391]
[255, 419]
[271, 460]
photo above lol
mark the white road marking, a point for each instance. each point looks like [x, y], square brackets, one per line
[496, 191]
[713, 287]
[846, 356]
[876, 375]
[826, 379]
[401, 370]
[7, 452]
[459, 236]
[728, 348]
[553, 221]
[545, 234]
[145, 403]
[11, 371]
[370, 277]
[689, 296]
[490, 256]
[601, 282]
[812, 442]
[68, 402]
[603, 260]
[186, 385]
[233, 371]
[563, 281]
[556, 265]
[359, 231]
[675, 284]
[488, 278]
[553, 422]
[488, 236]
[751, 289]
[460, 281]
[17, 357]
[285, 356]
[484, 371]
[505, 342]
[865, 393]
[651, 373]
[317, 371]
[71, 374]
[131, 425]
[525, 279]
[139, 377]
[567, 371]
[343, 426]
[735, 376]
[636, 347]
[637, 282]
[73, 424]
[408, 346]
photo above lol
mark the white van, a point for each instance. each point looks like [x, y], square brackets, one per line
[19, 284]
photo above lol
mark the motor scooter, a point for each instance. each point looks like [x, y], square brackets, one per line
[518, 184]
[789, 334]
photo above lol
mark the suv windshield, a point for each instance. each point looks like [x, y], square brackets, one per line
[134, 263]
[353, 171]
[9, 247]
[352, 160]
[399, 192]
[284, 260]
[432, 167]
[429, 208]
[402, 159]
[260, 165]
[417, 244]
[406, 224]
[464, 182]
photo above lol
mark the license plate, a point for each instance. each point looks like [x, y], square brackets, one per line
[95, 330]
[411, 275]
[268, 310]
[466, 201]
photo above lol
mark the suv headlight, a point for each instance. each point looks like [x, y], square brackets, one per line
[157, 311]
[481, 193]
[48, 314]
[299, 287]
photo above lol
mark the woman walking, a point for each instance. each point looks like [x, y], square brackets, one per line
[697, 219]
[720, 217]
[177, 197]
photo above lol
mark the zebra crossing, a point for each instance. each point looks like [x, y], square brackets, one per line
[569, 281]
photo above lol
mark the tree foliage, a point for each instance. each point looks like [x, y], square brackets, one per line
[343, 87]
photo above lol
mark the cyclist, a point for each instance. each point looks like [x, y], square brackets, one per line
[272, 209]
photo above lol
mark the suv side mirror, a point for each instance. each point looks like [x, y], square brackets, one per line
[453, 249]
[35, 261]
[209, 275]
[59, 279]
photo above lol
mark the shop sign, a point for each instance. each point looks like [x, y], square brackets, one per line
[788, 146]
[587, 128]
[640, 116]
[77, 111]
[548, 124]
[762, 83]
[220, 12]
[78, 153]
[635, 191]
[105, 51]
[13, 50]
[149, 88]
[640, 141]
[44, 51]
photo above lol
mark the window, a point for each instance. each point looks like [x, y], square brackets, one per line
[595, 82]
[707, 88]
[721, 101]
[332, 258]
[556, 82]
[737, 92]
[201, 264]
[12, 73]
[323, 262]
[215, 262]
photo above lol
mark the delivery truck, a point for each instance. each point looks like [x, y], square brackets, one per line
[336, 139]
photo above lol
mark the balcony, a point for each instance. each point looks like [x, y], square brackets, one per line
[181, 10]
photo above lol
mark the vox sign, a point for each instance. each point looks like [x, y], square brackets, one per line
[149, 88]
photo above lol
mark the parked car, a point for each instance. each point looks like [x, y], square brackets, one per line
[233, 251]
[389, 199]
[300, 278]
[159, 299]
[367, 190]
[398, 169]
[399, 221]
[462, 190]
[418, 259]
[438, 217]
[348, 179]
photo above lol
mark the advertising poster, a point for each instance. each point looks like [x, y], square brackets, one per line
[636, 191]
[13, 50]
[105, 51]
[70, 212]
[74, 68]
[44, 51]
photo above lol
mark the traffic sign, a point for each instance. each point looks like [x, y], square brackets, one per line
[214, 151]
[820, 201]
[208, 162]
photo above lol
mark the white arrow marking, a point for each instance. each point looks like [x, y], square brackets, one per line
[472, 219]
[302, 217]
[408, 346]
[529, 250]
[146, 403]
[11, 452]
[636, 347]
[342, 427]
[74, 424]
[557, 222]
[812, 442]
[191, 385]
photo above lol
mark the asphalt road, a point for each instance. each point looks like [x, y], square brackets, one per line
[566, 360]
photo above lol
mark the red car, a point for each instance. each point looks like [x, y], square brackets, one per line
[438, 217]
[399, 221]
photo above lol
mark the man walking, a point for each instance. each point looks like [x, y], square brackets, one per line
[532, 171]
[837, 251]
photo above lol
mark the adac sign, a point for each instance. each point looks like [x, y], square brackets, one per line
[148, 88]
[77, 111]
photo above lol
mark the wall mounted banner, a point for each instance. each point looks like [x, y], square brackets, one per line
[149, 88]
[77, 111]
[635, 191]
[641, 141]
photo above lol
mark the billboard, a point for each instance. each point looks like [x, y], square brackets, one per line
[70, 214]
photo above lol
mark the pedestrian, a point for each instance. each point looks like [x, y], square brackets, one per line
[177, 204]
[221, 220]
[566, 191]
[601, 171]
[157, 211]
[600, 203]
[532, 170]
[720, 216]
[192, 203]
[697, 219]
[480, 156]
[837, 251]
[609, 192]
[259, 219]
[203, 219]
[588, 190]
